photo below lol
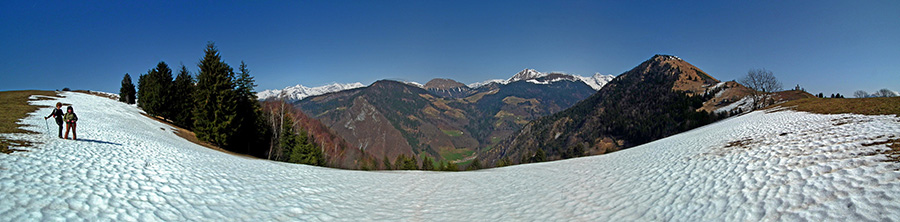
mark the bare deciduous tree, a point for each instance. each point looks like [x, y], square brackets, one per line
[884, 93]
[860, 94]
[762, 82]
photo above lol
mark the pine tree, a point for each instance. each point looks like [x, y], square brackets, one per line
[539, 156]
[182, 99]
[474, 165]
[154, 93]
[427, 163]
[127, 92]
[450, 167]
[386, 163]
[215, 110]
[143, 92]
[248, 110]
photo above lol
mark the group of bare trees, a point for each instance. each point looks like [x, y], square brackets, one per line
[879, 93]
[763, 83]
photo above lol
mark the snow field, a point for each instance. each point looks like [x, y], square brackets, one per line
[781, 165]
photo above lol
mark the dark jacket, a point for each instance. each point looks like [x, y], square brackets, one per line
[58, 113]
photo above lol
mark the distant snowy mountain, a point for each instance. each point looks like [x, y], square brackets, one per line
[596, 81]
[299, 92]
[488, 82]
[533, 76]
[526, 75]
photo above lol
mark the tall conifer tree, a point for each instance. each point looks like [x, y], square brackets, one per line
[215, 116]
[182, 99]
[248, 112]
[127, 92]
[154, 89]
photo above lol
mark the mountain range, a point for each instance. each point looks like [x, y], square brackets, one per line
[299, 92]
[443, 119]
[529, 117]
[662, 96]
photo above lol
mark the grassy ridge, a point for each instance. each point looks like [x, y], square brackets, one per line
[14, 106]
[866, 106]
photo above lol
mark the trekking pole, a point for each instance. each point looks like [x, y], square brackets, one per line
[48, 127]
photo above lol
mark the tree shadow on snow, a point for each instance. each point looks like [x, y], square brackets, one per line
[99, 141]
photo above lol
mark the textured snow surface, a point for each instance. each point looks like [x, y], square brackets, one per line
[783, 165]
[299, 92]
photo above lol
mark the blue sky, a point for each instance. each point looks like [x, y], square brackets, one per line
[825, 46]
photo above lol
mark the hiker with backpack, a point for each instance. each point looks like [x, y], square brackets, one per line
[59, 117]
[70, 119]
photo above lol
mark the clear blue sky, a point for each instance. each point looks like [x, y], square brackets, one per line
[825, 46]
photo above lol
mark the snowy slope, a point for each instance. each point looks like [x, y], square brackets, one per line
[299, 92]
[788, 166]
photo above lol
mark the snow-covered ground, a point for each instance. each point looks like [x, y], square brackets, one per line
[783, 165]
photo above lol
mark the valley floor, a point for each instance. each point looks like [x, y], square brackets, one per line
[782, 165]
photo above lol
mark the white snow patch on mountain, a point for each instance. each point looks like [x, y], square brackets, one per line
[526, 74]
[299, 92]
[416, 84]
[479, 84]
[745, 104]
[783, 165]
[596, 82]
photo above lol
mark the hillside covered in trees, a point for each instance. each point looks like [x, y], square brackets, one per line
[660, 97]
[220, 106]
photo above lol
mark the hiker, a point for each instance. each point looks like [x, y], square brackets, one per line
[59, 117]
[70, 119]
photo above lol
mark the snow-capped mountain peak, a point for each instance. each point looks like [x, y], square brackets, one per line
[487, 82]
[596, 81]
[533, 76]
[299, 92]
[526, 74]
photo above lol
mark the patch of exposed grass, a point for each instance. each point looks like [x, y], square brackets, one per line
[190, 136]
[14, 106]
[6, 143]
[893, 153]
[452, 133]
[104, 95]
[866, 106]
[456, 154]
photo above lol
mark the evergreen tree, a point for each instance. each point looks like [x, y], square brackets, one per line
[539, 156]
[182, 99]
[248, 110]
[143, 93]
[450, 167]
[387, 163]
[505, 161]
[405, 163]
[127, 92]
[154, 93]
[427, 163]
[474, 165]
[304, 151]
[215, 100]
